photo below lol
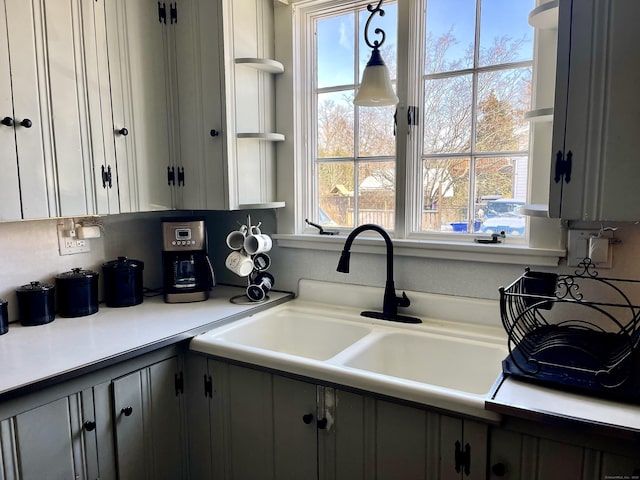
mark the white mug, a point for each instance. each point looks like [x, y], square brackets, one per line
[239, 263]
[235, 239]
[257, 243]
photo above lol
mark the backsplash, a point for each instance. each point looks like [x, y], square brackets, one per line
[30, 253]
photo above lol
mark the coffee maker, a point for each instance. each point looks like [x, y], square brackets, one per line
[188, 274]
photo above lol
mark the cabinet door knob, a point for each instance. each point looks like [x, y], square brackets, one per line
[322, 423]
[123, 131]
[308, 418]
[7, 121]
[499, 469]
[89, 425]
[127, 411]
[26, 123]
[214, 133]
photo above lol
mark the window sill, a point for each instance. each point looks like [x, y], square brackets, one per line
[503, 253]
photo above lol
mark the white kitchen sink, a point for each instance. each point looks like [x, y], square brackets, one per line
[294, 332]
[442, 360]
[447, 364]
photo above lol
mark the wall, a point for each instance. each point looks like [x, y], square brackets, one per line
[30, 252]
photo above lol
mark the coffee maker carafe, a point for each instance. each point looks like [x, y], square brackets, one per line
[188, 274]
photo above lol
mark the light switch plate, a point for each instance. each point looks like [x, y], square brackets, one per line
[578, 248]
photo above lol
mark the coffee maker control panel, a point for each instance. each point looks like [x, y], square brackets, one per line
[181, 236]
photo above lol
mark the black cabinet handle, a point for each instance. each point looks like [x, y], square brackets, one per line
[322, 423]
[123, 131]
[89, 425]
[26, 123]
[499, 469]
[127, 411]
[214, 133]
[7, 121]
[308, 418]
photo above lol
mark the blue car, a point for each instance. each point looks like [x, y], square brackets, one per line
[503, 215]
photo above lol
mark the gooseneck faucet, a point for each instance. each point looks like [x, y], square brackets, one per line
[391, 302]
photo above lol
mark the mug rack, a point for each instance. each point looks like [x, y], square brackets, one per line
[259, 281]
[579, 331]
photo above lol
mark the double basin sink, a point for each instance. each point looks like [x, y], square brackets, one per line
[445, 366]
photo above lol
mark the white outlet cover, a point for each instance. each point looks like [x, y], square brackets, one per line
[71, 245]
[578, 248]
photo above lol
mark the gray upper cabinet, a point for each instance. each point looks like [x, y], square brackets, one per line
[595, 171]
[226, 102]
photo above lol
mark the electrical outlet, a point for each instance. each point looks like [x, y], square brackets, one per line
[578, 248]
[69, 244]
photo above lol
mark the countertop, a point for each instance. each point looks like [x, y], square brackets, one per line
[533, 401]
[35, 356]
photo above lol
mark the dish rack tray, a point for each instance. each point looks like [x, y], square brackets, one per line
[580, 331]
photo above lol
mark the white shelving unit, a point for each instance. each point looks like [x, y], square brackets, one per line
[264, 64]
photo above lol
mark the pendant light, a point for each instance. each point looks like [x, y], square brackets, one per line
[375, 89]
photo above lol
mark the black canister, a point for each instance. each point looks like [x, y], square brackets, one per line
[77, 293]
[4, 317]
[36, 303]
[122, 282]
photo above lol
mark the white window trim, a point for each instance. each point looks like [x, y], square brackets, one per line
[544, 246]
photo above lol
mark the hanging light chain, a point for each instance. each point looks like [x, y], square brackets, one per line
[378, 31]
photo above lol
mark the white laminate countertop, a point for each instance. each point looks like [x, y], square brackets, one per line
[29, 355]
[533, 401]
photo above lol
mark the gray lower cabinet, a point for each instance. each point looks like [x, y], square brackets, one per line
[122, 422]
[551, 455]
[247, 423]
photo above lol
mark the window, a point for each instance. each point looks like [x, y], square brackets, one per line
[468, 72]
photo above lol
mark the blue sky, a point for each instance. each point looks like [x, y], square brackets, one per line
[499, 17]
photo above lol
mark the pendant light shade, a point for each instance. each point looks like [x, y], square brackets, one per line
[375, 88]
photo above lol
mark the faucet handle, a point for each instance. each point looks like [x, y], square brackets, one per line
[404, 300]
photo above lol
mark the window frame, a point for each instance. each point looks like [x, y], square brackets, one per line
[293, 32]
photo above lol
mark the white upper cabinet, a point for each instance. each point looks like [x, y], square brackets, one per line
[595, 170]
[55, 110]
[24, 115]
[226, 98]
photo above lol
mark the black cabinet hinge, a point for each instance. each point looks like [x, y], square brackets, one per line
[107, 177]
[181, 176]
[162, 13]
[412, 116]
[563, 166]
[208, 386]
[171, 176]
[463, 458]
[173, 12]
[179, 383]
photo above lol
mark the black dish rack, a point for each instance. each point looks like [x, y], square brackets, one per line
[579, 331]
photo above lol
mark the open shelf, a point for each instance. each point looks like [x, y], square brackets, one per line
[257, 206]
[264, 64]
[269, 137]
[535, 210]
[545, 16]
[539, 115]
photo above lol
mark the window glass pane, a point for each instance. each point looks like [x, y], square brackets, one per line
[503, 98]
[446, 194]
[450, 35]
[505, 34]
[336, 50]
[376, 132]
[335, 125]
[335, 193]
[447, 115]
[501, 188]
[377, 193]
[389, 24]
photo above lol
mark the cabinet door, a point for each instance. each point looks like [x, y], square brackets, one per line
[148, 423]
[595, 113]
[140, 99]
[9, 180]
[30, 113]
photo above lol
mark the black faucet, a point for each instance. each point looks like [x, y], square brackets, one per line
[391, 302]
